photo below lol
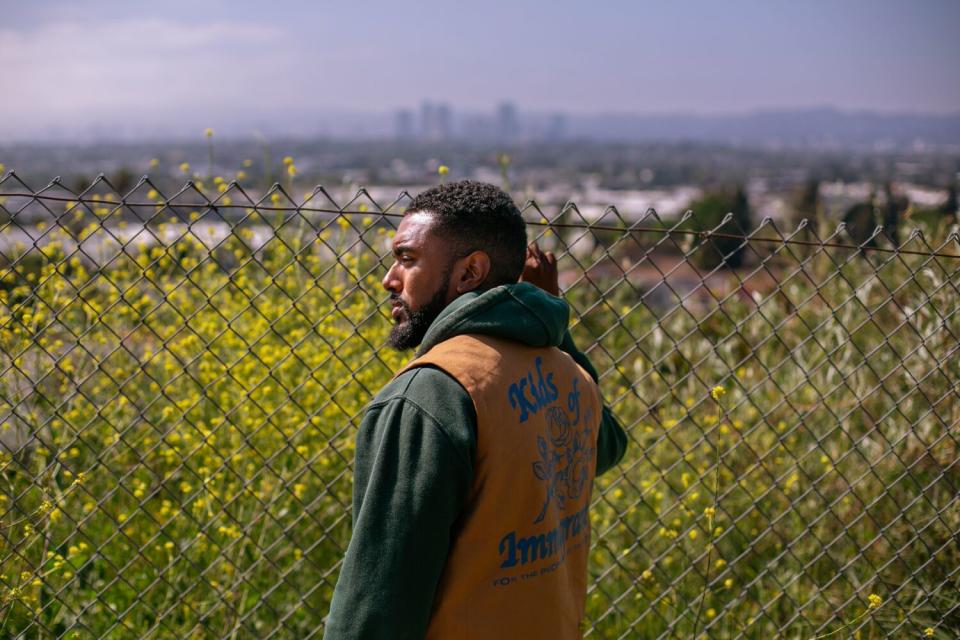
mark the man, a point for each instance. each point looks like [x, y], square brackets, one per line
[474, 465]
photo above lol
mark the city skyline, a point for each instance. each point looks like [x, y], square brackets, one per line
[147, 70]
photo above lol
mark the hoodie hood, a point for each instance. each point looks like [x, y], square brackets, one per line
[520, 312]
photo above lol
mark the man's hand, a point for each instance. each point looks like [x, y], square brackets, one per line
[540, 269]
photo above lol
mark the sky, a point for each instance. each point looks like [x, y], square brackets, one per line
[130, 65]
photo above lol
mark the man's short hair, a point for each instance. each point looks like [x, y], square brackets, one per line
[476, 216]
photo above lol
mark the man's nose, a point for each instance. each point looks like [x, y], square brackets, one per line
[390, 281]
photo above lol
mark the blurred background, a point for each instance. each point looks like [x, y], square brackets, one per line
[802, 106]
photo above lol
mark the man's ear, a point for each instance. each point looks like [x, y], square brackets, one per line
[473, 271]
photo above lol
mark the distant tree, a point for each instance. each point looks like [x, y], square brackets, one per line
[123, 180]
[949, 207]
[708, 212]
[806, 205]
[79, 183]
[893, 211]
[861, 221]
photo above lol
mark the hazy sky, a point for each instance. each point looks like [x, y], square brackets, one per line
[126, 63]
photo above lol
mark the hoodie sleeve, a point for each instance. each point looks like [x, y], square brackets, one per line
[612, 439]
[414, 468]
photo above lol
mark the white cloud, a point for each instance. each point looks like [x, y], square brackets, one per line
[133, 70]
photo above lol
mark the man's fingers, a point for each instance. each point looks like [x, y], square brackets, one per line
[539, 256]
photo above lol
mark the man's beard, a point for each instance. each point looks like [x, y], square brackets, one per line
[409, 332]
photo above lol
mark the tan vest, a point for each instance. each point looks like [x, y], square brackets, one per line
[517, 566]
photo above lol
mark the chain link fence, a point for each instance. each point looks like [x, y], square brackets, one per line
[182, 379]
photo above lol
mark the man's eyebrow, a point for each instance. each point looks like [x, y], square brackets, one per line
[403, 248]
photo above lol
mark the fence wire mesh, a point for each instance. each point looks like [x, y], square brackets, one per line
[182, 379]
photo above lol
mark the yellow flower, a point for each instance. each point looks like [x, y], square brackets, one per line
[716, 392]
[154, 163]
[875, 600]
[443, 170]
[291, 170]
[709, 512]
[241, 175]
[248, 163]
[287, 160]
[152, 194]
[928, 632]
[208, 132]
[693, 534]
[185, 167]
[2, 167]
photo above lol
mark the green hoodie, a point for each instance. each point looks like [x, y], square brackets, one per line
[414, 467]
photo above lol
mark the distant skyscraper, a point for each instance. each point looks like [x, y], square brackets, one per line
[435, 121]
[508, 128]
[556, 127]
[444, 121]
[478, 128]
[403, 128]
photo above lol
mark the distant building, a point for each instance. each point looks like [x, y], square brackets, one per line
[435, 121]
[508, 126]
[478, 127]
[556, 127]
[403, 125]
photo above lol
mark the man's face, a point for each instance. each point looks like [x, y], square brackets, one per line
[419, 280]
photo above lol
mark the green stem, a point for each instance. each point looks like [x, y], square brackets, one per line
[716, 496]
[859, 617]
[209, 158]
